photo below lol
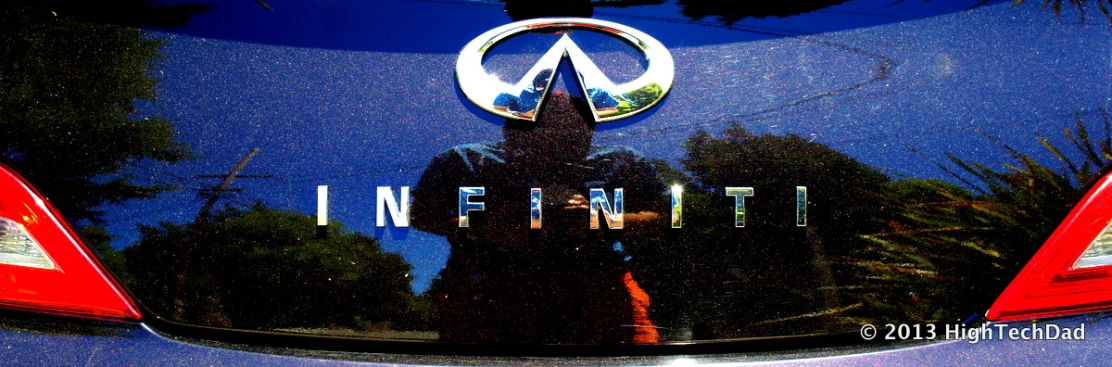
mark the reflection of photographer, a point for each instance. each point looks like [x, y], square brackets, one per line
[561, 283]
[565, 215]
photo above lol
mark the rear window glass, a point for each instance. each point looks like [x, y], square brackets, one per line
[319, 170]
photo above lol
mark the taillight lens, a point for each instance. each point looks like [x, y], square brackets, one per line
[43, 264]
[1072, 272]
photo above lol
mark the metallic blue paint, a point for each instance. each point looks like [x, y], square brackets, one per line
[132, 344]
[860, 82]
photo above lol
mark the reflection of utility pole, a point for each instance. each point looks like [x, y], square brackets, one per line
[264, 5]
[215, 193]
[193, 303]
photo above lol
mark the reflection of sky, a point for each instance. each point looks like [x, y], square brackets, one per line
[355, 119]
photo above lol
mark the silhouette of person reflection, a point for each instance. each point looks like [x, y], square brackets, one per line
[525, 103]
[564, 282]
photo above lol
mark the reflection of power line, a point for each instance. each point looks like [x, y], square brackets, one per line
[166, 180]
[264, 5]
[172, 185]
[158, 210]
[214, 194]
[214, 190]
[158, 177]
[369, 172]
[243, 200]
[161, 171]
[237, 176]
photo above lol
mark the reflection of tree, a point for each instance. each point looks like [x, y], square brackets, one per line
[953, 250]
[131, 13]
[729, 12]
[67, 92]
[907, 250]
[772, 277]
[639, 98]
[265, 269]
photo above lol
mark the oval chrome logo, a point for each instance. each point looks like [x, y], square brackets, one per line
[608, 101]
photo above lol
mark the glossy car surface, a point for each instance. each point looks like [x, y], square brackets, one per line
[841, 164]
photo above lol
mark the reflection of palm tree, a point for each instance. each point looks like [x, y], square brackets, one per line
[1056, 5]
[953, 249]
[935, 251]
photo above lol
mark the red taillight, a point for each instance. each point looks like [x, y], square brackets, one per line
[1072, 272]
[43, 264]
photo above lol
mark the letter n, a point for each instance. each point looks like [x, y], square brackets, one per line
[612, 214]
[399, 214]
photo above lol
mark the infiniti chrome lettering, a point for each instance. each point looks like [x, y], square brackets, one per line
[610, 212]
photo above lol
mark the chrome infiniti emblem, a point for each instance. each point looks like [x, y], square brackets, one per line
[608, 101]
